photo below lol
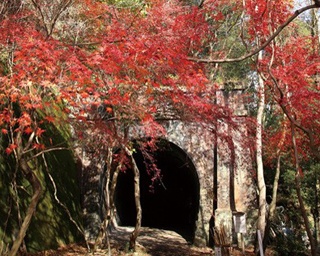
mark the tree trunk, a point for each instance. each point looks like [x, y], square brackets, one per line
[136, 173]
[103, 236]
[260, 174]
[37, 190]
[315, 212]
[298, 190]
[273, 204]
[112, 191]
[136, 230]
[317, 221]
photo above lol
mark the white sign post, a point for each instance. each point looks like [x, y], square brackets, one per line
[239, 221]
[217, 251]
[240, 227]
[260, 243]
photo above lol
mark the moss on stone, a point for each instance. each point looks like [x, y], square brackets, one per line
[50, 226]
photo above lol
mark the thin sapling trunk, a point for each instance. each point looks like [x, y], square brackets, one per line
[37, 191]
[298, 190]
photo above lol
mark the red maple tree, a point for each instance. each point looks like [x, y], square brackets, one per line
[103, 70]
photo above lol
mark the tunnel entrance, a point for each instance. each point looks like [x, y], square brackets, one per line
[172, 202]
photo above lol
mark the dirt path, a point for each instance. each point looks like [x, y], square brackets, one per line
[157, 242]
[151, 242]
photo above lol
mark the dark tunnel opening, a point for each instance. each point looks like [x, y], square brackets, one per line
[172, 202]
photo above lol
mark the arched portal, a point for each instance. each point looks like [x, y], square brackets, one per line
[172, 202]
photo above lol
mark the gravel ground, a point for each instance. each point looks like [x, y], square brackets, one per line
[151, 242]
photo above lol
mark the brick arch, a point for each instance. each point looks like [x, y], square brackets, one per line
[210, 166]
[170, 202]
[198, 143]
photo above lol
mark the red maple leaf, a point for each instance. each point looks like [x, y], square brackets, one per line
[28, 130]
[39, 132]
[50, 119]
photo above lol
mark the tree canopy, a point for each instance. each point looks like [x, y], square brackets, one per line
[103, 67]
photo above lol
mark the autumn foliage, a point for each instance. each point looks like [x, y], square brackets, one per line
[97, 69]
[100, 70]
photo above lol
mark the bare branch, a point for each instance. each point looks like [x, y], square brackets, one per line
[63, 6]
[265, 44]
[32, 135]
[37, 6]
[291, 116]
[200, 4]
[48, 23]
[57, 199]
[45, 151]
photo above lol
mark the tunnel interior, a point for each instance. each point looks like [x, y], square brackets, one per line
[171, 202]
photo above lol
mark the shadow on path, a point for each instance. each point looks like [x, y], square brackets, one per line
[157, 242]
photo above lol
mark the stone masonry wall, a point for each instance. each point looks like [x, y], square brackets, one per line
[198, 144]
